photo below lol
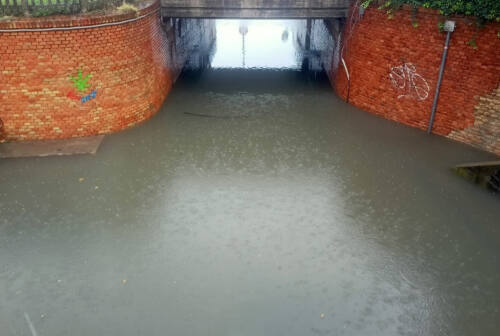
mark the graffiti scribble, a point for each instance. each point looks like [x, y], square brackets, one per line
[406, 80]
[80, 82]
[82, 85]
[92, 95]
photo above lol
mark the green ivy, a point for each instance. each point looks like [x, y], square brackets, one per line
[484, 10]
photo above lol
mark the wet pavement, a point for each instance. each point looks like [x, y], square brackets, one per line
[256, 202]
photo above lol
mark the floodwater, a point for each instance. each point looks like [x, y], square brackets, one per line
[256, 202]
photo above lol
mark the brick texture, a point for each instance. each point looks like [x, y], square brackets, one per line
[485, 132]
[394, 69]
[129, 64]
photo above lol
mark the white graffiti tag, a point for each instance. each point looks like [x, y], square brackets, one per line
[406, 79]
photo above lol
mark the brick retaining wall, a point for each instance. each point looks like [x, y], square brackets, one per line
[129, 67]
[394, 69]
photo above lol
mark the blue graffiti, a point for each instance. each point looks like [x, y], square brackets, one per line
[92, 95]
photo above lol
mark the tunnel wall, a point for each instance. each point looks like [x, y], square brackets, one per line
[131, 68]
[394, 70]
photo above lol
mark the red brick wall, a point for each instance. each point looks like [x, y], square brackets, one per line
[128, 64]
[377, 47]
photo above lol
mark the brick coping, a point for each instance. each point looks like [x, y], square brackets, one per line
[82, 20]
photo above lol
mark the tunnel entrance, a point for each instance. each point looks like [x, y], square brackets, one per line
[308, 46]
[248, 60]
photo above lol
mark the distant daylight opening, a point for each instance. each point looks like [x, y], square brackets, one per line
[299, 45]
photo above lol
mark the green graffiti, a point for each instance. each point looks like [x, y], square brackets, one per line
[80, 82]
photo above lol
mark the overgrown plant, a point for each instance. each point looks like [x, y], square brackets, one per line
[483, 10]
[39, 8]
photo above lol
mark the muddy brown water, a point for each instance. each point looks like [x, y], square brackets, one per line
[256, 202]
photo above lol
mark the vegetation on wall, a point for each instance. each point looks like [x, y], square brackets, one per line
[37, 8]
[483, 10]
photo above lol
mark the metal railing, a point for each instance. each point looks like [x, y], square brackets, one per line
[37, 8]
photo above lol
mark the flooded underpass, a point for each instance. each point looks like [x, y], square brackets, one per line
[256, 202]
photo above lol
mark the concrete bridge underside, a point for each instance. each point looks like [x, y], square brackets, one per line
[253, 9]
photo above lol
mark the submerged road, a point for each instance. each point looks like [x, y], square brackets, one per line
[255, 203]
